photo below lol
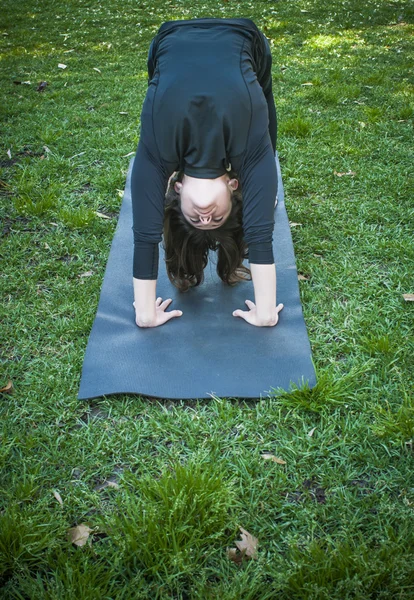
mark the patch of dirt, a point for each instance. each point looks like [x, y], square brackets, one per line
[9, 222]
[17, 157]
[310, 489]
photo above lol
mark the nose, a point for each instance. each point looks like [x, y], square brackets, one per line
[205, 220]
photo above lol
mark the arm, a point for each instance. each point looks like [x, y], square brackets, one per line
[264, 77]
[264, 284]
[148, 185]
[259, 187]
[263, 312]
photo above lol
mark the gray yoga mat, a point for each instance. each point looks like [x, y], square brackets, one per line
[205, 352]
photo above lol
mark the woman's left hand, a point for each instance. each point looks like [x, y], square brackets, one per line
[253, 318]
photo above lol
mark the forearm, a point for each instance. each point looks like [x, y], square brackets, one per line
[144, 300]
[264, 283]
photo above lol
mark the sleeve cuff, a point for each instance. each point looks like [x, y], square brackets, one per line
[261, 254]
[145, 264]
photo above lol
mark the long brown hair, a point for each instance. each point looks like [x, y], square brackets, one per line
[186, 247]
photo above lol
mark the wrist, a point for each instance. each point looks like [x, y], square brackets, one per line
[267, 319]
[144, 320]
[144, 296]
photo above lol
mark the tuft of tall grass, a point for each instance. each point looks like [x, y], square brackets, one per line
[25, 542]
[329, 391]
[396, 425]
[352, 569]
[296, 127]
[165, 525]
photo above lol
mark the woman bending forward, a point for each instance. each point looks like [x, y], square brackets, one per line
[208, 132]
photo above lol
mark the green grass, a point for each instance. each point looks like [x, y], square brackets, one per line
[335, 521]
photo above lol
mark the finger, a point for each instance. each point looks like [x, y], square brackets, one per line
[158, 301]
[240, 313]
[250, 304]
[171, 315]
[165, 304]
[279, 307]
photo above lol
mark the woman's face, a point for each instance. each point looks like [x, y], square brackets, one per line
[206, 203]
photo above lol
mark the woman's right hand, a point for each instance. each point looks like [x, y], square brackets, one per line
[160, 316]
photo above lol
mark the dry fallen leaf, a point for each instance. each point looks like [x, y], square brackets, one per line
[307, 83]
[62, 66]
[112, 484]
[311, 432]
[408, 297]
[9, 153]
[87, 274]
[303, 277]
[295, 224]
[102, 215]
[79, 535]
[108, 483]
[247, 547]
[123, 113]
[125, 155]
[273, 458]
[352, 173]
[97, 70]
[58, 497]
[7, 389]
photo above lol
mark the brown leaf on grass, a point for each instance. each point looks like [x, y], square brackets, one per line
[87, 274]
[58, 497]
[246, 548]
[303, 277]
[7, 389]
[110, 482]
[79, 535]
[9, 153]
[273, 458]
[351, 173]
[102, 215]
[408, 297]
[311, 432]
[295, 224]
[97, 70]
[41, 87]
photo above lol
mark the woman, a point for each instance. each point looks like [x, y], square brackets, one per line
[208, 127]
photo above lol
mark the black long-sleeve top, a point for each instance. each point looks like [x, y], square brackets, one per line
[209, 105]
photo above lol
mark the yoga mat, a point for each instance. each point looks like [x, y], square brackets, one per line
[205, 352]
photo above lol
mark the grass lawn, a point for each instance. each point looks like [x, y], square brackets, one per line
[163, 487]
